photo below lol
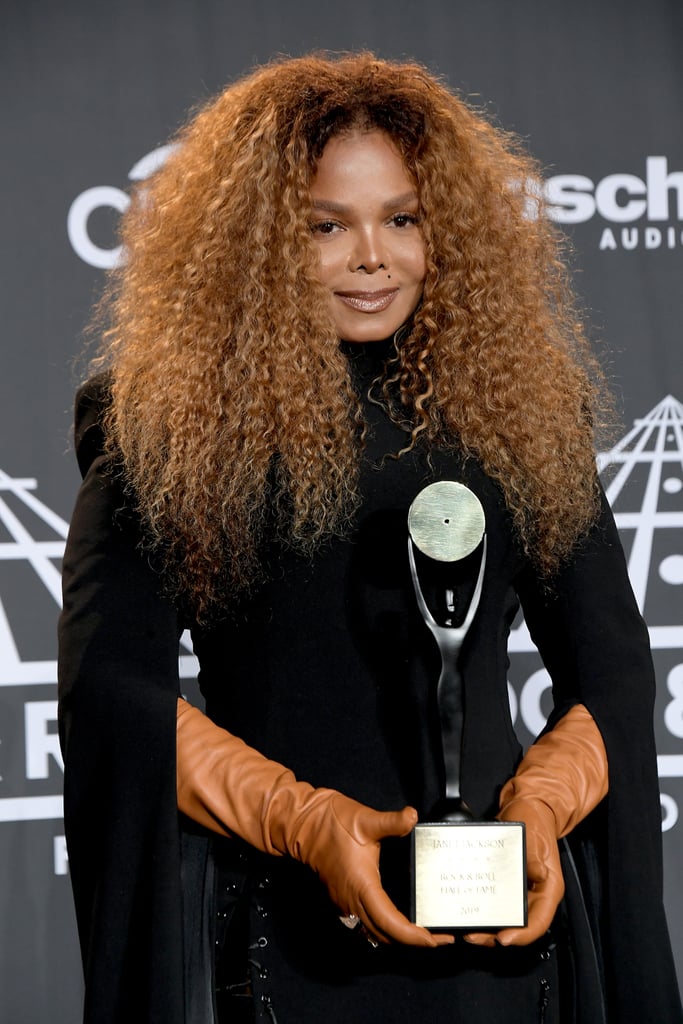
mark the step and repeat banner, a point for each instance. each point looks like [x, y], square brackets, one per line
[91, 93]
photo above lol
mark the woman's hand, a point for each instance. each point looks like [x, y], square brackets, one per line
[232, 789]
[561, 778]
[340, 839]
[544, 875]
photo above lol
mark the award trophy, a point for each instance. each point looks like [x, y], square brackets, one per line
[467, 874]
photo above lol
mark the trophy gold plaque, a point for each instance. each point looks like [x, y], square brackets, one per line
[467, 874]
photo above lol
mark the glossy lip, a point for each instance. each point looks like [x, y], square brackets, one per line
[369, 302]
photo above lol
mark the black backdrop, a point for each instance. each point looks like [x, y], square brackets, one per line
[90, 89]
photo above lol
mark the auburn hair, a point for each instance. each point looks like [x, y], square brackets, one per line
[230, 395]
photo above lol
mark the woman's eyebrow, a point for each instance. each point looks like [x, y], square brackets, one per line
[330, 206]
[403, 200]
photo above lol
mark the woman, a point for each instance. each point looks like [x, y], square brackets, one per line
[334, 294]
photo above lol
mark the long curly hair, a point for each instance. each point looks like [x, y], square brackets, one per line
[230, 395]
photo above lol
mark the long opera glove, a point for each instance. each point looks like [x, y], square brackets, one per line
[230, 788]
[560, 780]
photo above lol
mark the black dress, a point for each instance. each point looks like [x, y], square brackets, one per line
[329, 668]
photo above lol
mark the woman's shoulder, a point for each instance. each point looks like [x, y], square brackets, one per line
[91, 403]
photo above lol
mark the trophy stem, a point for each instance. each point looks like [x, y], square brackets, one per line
[449, 692]
[451, 715]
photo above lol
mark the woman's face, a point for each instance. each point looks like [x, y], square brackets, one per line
[366, 224]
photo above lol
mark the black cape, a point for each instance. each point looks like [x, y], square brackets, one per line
[326, 668]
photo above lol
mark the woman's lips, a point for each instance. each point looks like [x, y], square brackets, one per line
[369, 302]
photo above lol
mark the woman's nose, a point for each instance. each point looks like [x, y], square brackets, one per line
[368, 254]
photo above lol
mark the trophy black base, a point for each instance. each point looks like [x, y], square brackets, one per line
[469, 875]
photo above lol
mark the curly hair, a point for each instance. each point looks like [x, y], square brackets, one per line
[231, 396]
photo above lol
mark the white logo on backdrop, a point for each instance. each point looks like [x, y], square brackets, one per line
[619, 199]
[107, 197]
[649, 458]
[20, 510]
[650, 461]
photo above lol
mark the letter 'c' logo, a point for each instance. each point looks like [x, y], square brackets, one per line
[106, 195]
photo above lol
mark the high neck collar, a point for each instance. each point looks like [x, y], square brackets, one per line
[367, 358]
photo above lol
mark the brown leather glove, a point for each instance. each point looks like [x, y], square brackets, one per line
[562, 777]
[230, 788]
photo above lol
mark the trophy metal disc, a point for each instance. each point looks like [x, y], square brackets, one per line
[446, 521]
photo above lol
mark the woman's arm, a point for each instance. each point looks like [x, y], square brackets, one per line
[118, 686]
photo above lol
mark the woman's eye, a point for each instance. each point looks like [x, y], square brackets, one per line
[324, 227]
[402, 220]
